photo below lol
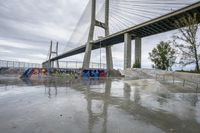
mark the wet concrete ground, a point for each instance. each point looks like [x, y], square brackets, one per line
[96, 106]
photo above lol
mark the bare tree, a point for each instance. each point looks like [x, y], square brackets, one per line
[186, 41]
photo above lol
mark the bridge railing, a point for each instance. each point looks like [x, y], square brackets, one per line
[62, 64]
[78, 64]
[17, 64]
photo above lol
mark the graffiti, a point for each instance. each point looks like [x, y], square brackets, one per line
[64, 73]
[44, 72]
[35, 72]
[94, 73]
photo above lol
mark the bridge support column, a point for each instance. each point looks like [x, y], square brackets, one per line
[87, 56]
[109, 60]
[52, 64]
[57, 61]
[48, 64]
[51, 52]
[138, 50]
[105, 26]
[127, 50]
[86, 61]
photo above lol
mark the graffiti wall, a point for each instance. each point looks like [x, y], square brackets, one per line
[44, 72]
[64, 73]
[94, 73]
[35, 72]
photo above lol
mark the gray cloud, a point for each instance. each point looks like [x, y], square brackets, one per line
[27, 26]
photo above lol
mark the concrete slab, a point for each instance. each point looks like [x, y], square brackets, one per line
[100, 106]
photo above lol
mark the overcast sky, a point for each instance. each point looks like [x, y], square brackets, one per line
[27, 26]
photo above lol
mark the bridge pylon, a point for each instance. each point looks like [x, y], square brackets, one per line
[51, 52]
[105, 26]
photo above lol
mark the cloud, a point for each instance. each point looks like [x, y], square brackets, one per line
[5, 51]
[27, 26]
[15, 44]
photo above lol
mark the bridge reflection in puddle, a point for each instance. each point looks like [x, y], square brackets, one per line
[102, 106]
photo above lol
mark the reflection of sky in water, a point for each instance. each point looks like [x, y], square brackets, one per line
[85, 107]
[183, 105]
[98, 88]
[97, 106]
[117, 89]
[117, 118]
[181, 108]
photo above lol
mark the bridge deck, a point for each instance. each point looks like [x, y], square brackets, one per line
[152, 27]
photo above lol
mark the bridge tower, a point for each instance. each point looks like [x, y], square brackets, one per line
[105, 26]
[51, 52]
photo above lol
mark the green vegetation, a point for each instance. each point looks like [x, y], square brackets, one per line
[185, 42]
[163, 56]
[137, 64]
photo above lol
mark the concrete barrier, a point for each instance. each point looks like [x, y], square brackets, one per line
[190, 78]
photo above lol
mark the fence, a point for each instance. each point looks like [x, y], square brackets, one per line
[62, 64]
[78, 64]
[17, 64]
[184, 79]
[178, 80]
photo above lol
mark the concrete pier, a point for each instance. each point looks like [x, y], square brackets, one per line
[109, 60]
[87, 56]
[105, 26]
[127, 51]
[86, 61]
[138, 49]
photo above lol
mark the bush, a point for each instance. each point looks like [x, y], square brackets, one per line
[137, 64]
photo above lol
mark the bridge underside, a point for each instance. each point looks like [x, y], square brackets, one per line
[155, 26]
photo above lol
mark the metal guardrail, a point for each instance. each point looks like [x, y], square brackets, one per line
[17, 64]
[174, 78]
[78, 64]
[182, 78]
[62, 64]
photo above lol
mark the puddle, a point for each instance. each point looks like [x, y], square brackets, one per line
[100, 106]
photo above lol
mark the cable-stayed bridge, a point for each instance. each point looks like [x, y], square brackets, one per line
[122, 21]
